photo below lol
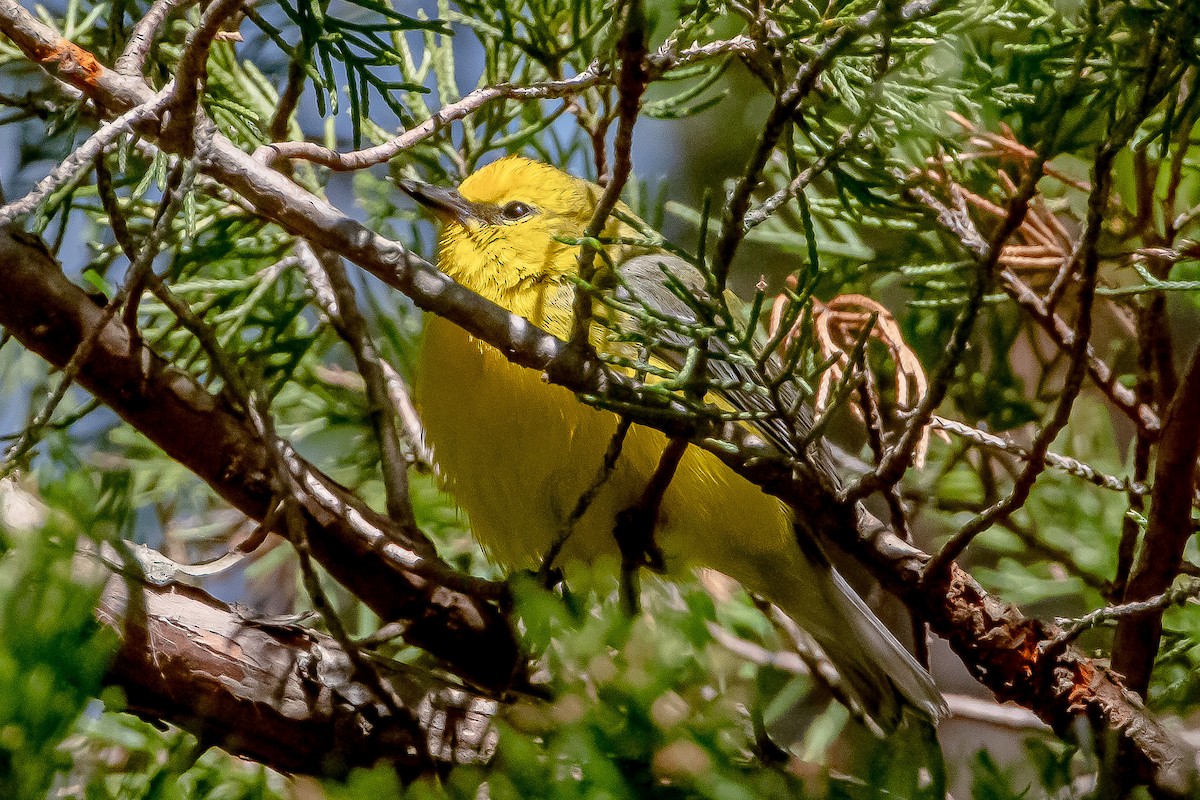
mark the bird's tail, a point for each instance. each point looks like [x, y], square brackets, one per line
[876, 669]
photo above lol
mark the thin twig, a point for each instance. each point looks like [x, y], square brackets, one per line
[70, 169]
[593, 75]
[819, 666]
[1102, 375]
[848, 138]
[414, 431]
[141, 266]
[473, 102]
[133, 59]
[289, 98]
[892, 467]
[1188, 590]
[342, 310]
[1071, 466]
[787, 99]
[1072, 383]
[631, 85]
[987, 255]
[611, 453]
[634, 530]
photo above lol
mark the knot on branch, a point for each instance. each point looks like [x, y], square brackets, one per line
[71, 60]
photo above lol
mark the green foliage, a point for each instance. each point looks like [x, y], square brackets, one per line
[991, 783]
[118, 757]
[54, 738]
[53, 656]
[651, 706]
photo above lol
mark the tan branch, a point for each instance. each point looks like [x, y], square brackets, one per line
[281, 694]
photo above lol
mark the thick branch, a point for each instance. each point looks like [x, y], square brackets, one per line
[51, 316]
[280, 694]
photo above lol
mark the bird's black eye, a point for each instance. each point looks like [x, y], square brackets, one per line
[516, 210]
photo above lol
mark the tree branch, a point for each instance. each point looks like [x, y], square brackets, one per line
[1073, 381]
[359, 547]
[133, 60]
[1169, 530]
[343, 313]
[281, 694]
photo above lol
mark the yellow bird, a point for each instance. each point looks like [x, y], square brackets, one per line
[517, 452]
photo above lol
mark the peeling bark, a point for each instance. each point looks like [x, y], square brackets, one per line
[283, 695]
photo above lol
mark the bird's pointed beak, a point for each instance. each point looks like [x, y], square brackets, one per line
[447, 204]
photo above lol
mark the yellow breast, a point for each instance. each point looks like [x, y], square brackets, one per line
[517, 453]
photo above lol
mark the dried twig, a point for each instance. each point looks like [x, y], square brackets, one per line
[341, 308]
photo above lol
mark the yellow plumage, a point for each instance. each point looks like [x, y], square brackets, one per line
[517, 452]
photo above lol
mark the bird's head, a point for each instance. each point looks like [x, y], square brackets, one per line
[505, 226]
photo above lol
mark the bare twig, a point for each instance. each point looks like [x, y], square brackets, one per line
[341, 308]
[402, 402]
[763, 211]
[1072, 628]
[1072, 383]
[631, 84]
[1069, 465]
[845, 141]
[787, 99]
[987, 254]
[360, 159]
[663, 60]
[139, 268]
[820, 667]
[587, 497]
[133, 59]
[1063, 336]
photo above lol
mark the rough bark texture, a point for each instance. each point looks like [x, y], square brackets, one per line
[281, 694]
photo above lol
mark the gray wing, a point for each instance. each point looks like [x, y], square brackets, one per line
[644, 281]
